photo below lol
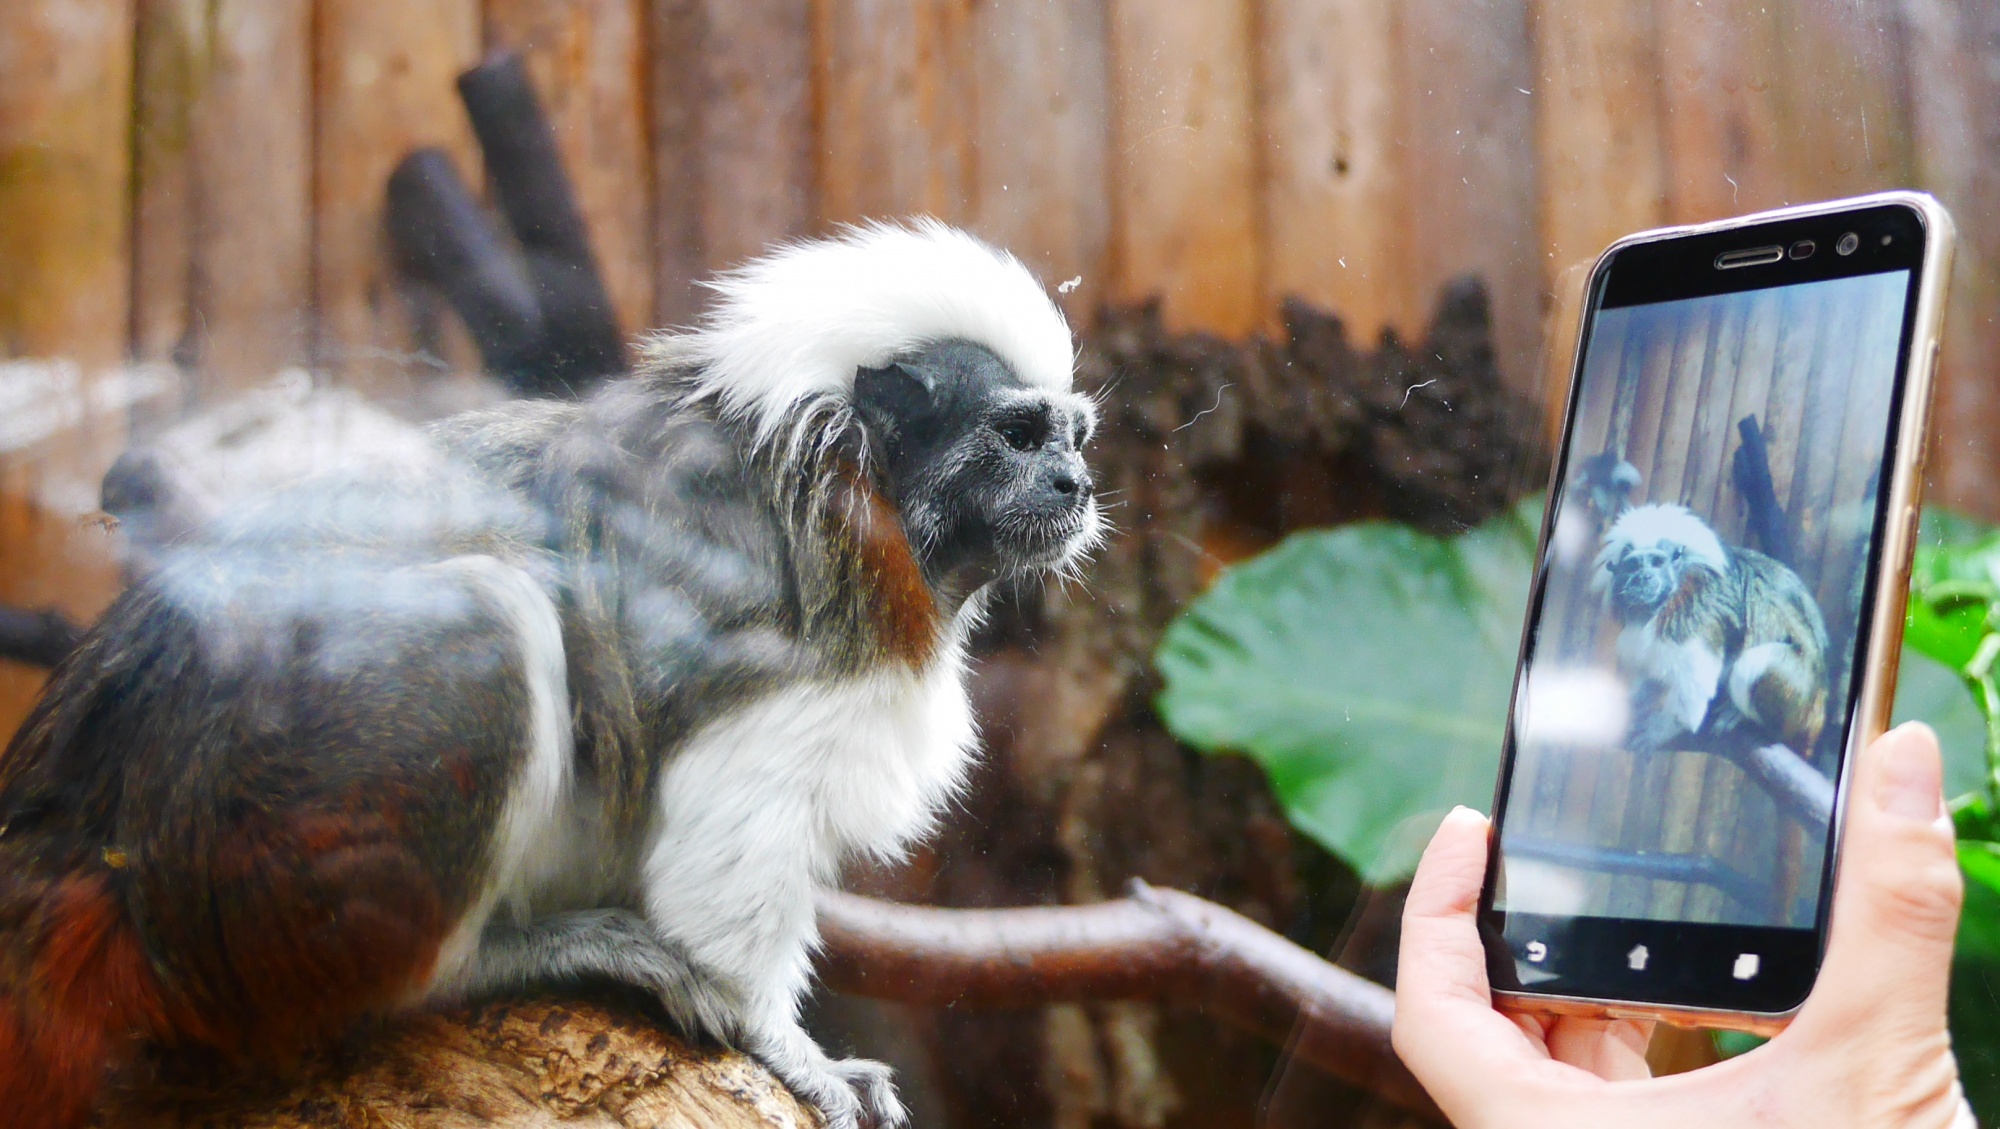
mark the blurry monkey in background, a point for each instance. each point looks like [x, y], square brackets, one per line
[1607, 482]
[1713, 640]
[1603, 484]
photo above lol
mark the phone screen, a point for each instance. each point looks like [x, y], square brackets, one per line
[1687, 690]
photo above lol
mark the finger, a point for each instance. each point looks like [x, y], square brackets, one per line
[1532, 1024]
[1895, 910]
[1441, 954]
[1446, 1030]
[1612, 1049]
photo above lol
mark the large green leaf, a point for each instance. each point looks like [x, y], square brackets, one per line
[1952, 582]
[1367, 670]
[1928, 691]
[1947, 631]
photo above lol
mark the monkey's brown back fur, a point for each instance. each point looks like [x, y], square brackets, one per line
[1791, 695]
[1758, 601]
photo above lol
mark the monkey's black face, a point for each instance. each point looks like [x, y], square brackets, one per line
[987, 471]
[1642, 579]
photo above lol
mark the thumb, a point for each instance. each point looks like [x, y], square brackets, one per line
[1441, 954]
[1446, 1030]
[1895, 911]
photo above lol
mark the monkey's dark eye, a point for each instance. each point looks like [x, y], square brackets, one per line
[1020, 434]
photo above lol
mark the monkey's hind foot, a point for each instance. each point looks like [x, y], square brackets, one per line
[850, 1093]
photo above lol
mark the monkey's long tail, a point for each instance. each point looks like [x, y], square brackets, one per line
[78, 993]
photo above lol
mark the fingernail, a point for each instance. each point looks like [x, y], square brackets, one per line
[1911, 782]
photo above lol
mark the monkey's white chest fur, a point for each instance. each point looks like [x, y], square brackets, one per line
[753, 813]
[1687, 672]
[764, 805]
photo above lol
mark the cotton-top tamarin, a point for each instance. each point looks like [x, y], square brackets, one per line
[1607, 482]
[1713, 639]
[609, 694]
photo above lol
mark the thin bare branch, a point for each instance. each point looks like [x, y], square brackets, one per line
[1156, 944]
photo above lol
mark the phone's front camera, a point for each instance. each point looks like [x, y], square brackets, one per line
[1847, 243]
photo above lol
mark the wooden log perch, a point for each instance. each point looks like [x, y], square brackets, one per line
[1800, 790]
[1155, 944]
[601, 1058]
[442, 236]
[508, 1065]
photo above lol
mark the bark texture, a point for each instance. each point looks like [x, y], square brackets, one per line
[508, 1065]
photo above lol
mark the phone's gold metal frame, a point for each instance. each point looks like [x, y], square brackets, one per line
[1892, 581]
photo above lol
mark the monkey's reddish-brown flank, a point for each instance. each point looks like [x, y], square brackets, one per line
[89, 993]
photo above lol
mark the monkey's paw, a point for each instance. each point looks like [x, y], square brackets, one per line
[851, 1093]
[1655, 731]
[871, 1084]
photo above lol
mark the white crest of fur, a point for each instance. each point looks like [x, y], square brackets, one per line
[1650, 526]
[792, 327]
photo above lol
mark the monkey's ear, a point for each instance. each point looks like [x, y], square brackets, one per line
[893, 395]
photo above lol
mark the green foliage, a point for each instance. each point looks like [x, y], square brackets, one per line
[1366, 669]
[1954, 622]
[1951, 586]
[1979, 924]
[1729, 1044]
[1975, 1031]
[1931, 692]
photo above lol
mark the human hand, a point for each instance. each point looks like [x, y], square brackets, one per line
[1868, 1048]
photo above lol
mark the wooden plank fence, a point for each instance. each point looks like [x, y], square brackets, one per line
[223, 208]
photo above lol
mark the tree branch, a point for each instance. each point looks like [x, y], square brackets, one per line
[539, 312]
[1750, 468]
[38, 638]
[442, 236]
[1802, 792]
[1155, 944]
[524, 164]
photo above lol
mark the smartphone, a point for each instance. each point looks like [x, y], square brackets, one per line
[1716, 613]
